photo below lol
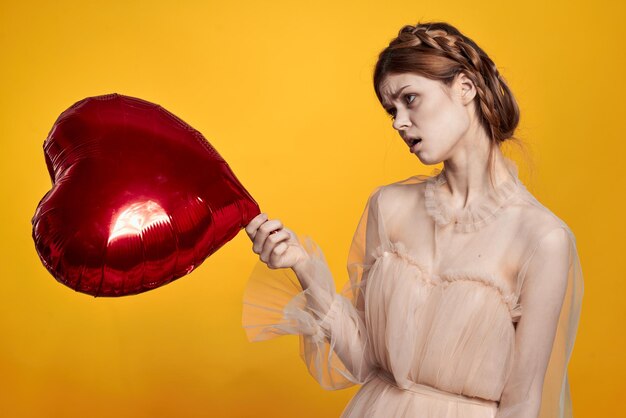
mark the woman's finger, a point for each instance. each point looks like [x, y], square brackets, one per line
[271, 242]
[263, 232]
[280, 248]
[276, 259]
[254, 224]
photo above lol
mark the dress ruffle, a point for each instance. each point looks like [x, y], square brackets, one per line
[275, 304]
[511, 299]
[479, 212]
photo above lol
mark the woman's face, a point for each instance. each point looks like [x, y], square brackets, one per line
[423, 108]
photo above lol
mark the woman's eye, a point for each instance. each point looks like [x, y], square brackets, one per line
[410, 98]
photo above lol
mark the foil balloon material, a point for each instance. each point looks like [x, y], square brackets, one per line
[139, 198]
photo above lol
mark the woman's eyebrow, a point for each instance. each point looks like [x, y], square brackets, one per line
[395, 95]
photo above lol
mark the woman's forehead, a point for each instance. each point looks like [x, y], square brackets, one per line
[391, 81]
[393, 84]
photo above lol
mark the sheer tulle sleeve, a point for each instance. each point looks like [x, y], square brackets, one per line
[334, 343]
[551, 298]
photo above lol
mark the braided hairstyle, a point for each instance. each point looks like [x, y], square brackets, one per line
[437, 50]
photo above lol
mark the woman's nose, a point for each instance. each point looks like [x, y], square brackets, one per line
[401, 121]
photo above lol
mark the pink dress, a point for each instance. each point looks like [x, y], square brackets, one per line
[468, 313]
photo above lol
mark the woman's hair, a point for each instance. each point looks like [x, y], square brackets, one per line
[437, 50]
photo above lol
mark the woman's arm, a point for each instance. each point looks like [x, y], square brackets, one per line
[334, 340]
[341, 315]
[544, 332]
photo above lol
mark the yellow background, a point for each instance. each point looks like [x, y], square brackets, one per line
[283, 90]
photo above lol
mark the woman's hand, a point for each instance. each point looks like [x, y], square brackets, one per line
[277, 246]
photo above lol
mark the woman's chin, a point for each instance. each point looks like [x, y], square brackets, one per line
[425, 159]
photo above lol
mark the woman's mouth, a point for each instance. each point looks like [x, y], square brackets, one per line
[415, 143]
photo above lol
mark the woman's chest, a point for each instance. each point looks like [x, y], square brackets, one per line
[398, 279]
[442, 255]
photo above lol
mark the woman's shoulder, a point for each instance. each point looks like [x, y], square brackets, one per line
[406, 192]
[408, 185]
[536, 216]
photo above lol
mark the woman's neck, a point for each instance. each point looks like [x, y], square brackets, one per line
[468, 176]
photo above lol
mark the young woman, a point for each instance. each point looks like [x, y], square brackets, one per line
[465, 292]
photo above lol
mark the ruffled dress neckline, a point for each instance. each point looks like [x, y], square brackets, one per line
[480, 211]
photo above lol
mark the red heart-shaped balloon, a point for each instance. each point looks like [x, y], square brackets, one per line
[139, 198]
